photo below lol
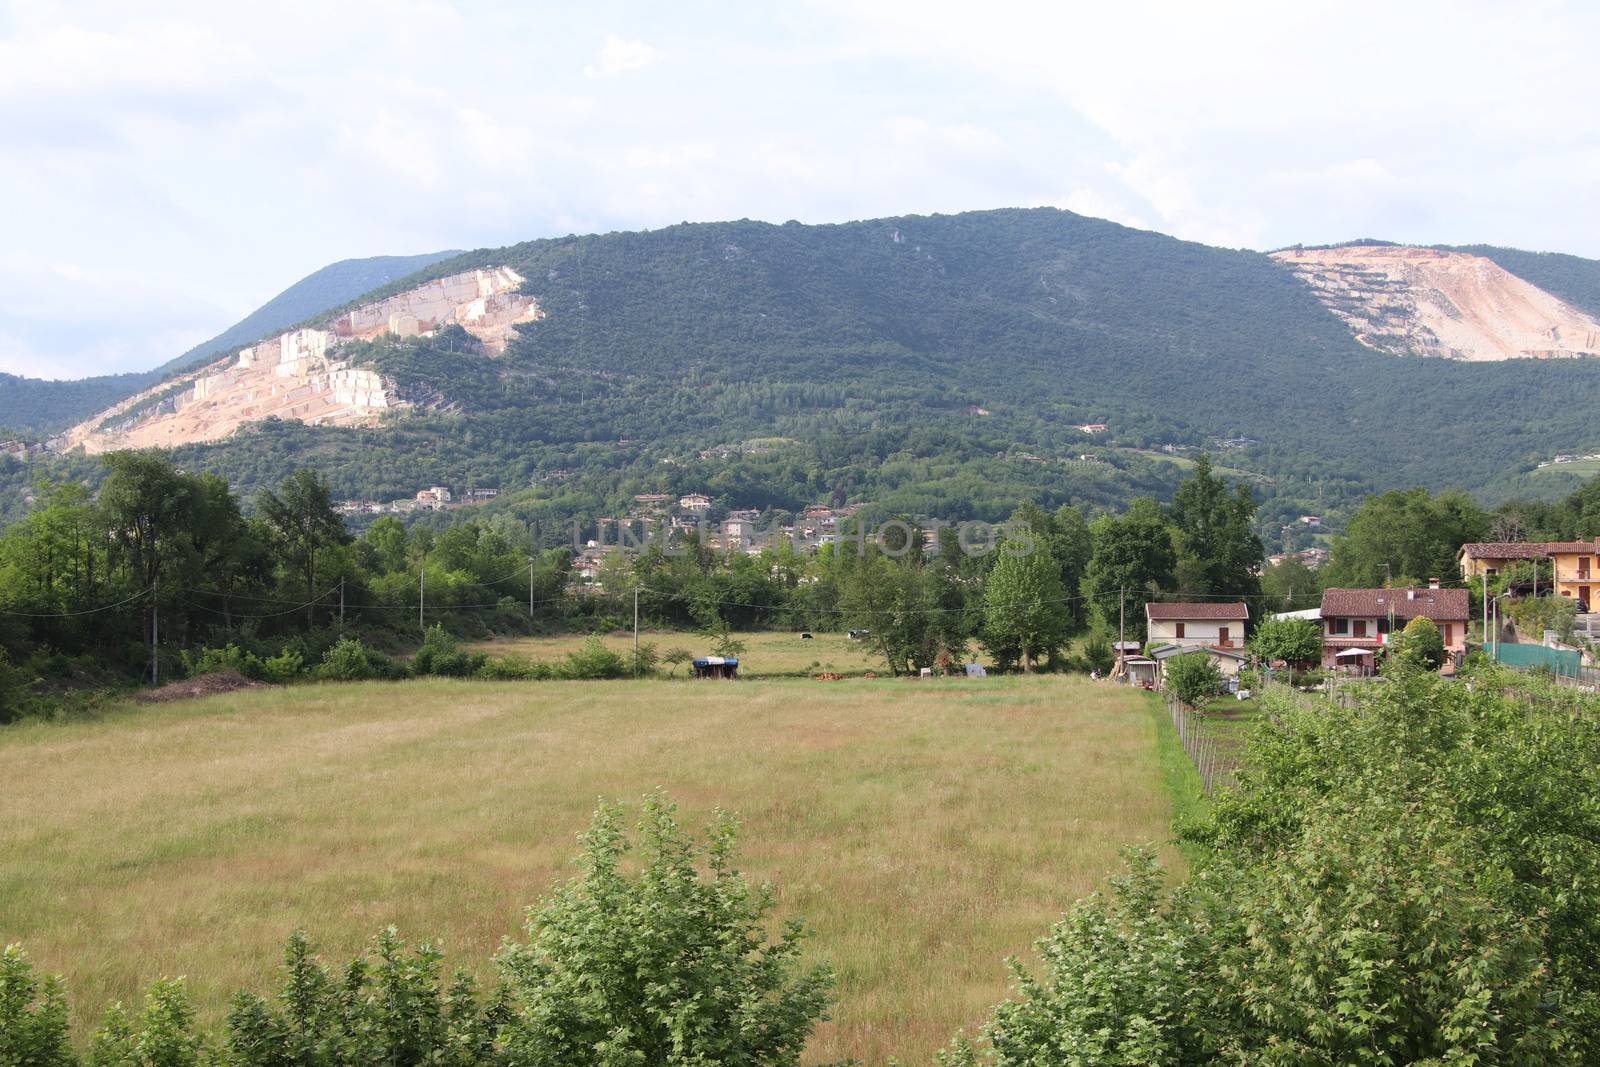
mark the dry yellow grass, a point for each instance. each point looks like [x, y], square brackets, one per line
[766, 654]
[924, 829]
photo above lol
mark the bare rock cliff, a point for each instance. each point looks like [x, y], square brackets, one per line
[299, 375]
[1427, 302]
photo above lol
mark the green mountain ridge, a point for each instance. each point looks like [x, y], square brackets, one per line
[871, 347]
[39, 407]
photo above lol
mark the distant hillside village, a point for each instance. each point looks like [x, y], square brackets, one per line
[739, 530]
[433, 498]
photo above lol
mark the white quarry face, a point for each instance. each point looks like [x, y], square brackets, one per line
[298, 375]
[1429, 302]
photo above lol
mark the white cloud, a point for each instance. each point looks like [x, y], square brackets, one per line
[191, 159]
[618, 56]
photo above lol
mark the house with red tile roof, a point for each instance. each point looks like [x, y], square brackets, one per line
[1357, 623]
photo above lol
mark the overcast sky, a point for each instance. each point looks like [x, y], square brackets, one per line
[166, 168]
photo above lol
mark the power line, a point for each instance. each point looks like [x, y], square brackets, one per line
[76, 614]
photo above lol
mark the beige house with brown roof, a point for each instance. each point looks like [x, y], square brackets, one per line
[1197, 625]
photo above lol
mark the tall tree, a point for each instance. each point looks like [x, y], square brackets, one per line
[148, 506]
[1024, 606]
[1407, 533]
[1133, 557]
[302, 517]
[1289, 586]
[1072, 548]
[1219, 552]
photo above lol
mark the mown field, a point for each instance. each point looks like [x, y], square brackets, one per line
[925, 830]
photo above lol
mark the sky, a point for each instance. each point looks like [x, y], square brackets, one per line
[168, 167]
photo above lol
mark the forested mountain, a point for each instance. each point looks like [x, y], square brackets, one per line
[333, 285]
[934, 365]
[39, 406]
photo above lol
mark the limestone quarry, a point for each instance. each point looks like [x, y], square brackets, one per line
[1428, 302]
[299, 375]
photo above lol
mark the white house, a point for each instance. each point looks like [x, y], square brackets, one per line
[1197, 625]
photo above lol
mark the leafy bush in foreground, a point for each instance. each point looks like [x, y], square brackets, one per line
[33, 1015]
[668, 966]
[1414, 880]
[663, 967]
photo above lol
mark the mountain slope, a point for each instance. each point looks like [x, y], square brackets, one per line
[1572, 278]
[333, 285]
[938, 365]
[38, 407]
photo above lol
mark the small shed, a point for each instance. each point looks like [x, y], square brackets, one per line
[1142, 670]
[715, 667]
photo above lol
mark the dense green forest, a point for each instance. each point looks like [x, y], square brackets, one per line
[938, 366]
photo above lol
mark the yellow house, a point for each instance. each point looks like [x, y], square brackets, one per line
[1490, 558]
[1577, 571]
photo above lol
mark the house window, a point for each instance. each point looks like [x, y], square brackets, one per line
[1177, 629]
[1222, 636]
[1338, 626]
[1583, 566]
[1361, 628]
[1447, 633]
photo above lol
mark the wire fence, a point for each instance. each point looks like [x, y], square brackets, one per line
[1214, 740]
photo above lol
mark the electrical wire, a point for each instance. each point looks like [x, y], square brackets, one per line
[75, 614]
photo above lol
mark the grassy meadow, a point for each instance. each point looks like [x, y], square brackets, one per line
[767, 654]
[924, 830]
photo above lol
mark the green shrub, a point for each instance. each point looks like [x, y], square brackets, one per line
[394, 1010]
[642, 661]
[440, 655]
[1415, 879]
[513, 668]
[349, 660]
[13, 691]
[1097, 652]
[593, 661]
[1420, 641]
[163, 1035]
[1193, 677]
[283, 668]
[33, 1015]
[229, 658]
[676, 657]
[669, 965]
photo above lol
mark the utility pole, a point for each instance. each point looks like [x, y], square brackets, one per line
[155, 637]
[1122, 628]
[530, 587]
[422, 597]
[341, 602]
[636, 629]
